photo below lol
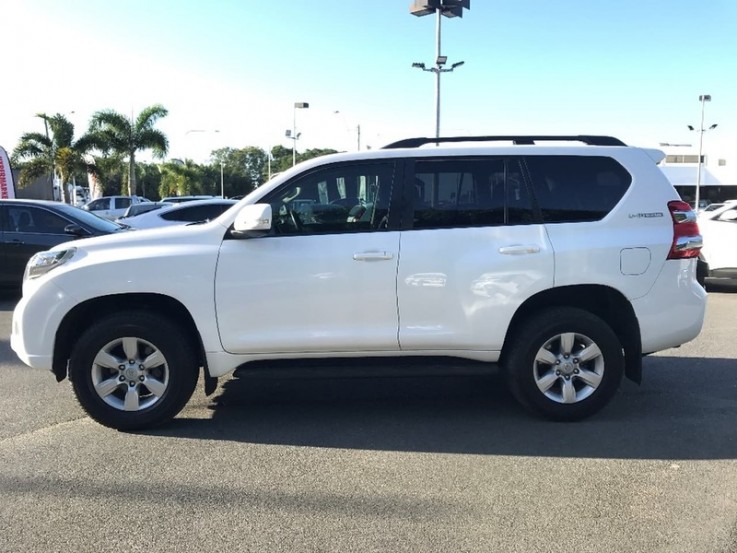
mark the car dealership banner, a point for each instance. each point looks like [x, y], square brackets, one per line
[7, 188]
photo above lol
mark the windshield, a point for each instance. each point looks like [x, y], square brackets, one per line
[89, 219]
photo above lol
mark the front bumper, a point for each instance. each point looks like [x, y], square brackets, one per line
[36, 319]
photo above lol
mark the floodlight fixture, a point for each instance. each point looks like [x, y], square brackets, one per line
[442, 60]
[418, 65]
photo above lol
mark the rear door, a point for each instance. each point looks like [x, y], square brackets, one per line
[472, 250]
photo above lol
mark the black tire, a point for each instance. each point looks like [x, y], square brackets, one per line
[143, 366]
[702, 271]
[578, 387]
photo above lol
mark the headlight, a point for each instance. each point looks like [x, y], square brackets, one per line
[43, 262]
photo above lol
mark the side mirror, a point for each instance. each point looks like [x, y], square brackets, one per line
[253, 220]
[76, 230]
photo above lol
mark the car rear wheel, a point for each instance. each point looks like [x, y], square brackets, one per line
[133, 370]
[564, 364]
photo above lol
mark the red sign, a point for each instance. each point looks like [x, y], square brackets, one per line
[7, 188]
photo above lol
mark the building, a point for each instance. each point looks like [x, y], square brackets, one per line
[718, 171]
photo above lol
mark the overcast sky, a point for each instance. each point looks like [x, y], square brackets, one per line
[633, 69]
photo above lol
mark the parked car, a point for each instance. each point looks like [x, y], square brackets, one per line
[30, 226]
[112, 207]
[181, 199]
[138, 209]
[710, 211]
[718, 257]
[563, 264]
[178, 214]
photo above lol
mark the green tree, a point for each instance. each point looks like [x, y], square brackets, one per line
[243, 169]
[55, 152]
[180, 178]
[282, 157]
[126, 136]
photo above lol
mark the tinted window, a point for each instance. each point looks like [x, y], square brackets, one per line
[91, 220]
[35, 220]
[349, 198]
[122, 203]
[470, 193]
[197, 213]
[577, 188]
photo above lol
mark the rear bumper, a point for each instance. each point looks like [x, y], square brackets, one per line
[672, 313]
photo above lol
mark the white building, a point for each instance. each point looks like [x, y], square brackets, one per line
[718, 172]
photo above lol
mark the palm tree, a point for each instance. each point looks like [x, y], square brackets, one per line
[126, 136]
[55, 153]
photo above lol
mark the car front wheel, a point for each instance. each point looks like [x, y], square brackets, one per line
[564, 364]
[133, 370]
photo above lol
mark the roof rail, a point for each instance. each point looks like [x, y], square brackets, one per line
[591, 140]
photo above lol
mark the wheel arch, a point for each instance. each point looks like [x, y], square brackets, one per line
[604, 302]
[85, 314]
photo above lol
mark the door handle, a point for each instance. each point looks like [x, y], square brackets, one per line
[372, 256]
[519, 249]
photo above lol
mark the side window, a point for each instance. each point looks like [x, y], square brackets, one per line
[122, 203]
[100, 204]
[470, 193]
[337, 199]
[195, 214]
[32, 219]
[577, 188]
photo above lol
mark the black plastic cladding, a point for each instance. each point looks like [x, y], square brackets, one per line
[591, 140]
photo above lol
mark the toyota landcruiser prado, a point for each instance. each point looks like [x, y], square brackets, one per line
[562, 259]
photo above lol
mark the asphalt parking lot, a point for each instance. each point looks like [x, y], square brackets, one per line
[400, 463]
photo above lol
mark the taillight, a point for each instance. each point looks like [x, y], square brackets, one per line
[687, 241]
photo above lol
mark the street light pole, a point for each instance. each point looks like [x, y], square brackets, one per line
[697, 197]
[437, 75]
[447, 8]
[222, 181]
[294, 135]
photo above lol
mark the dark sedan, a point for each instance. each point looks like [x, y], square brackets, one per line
[30, 226]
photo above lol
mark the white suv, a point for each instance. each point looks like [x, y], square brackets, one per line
[562, 263]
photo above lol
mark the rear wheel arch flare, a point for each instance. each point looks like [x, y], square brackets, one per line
[605, 302]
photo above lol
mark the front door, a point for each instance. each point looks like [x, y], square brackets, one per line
[324, 280]
[29, 229]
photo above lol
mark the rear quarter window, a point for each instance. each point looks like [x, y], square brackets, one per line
[577, 188]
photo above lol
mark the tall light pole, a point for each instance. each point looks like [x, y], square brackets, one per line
[222, 181]
[358, 129]
[703, 99]
[293, 134]
[447, 8]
